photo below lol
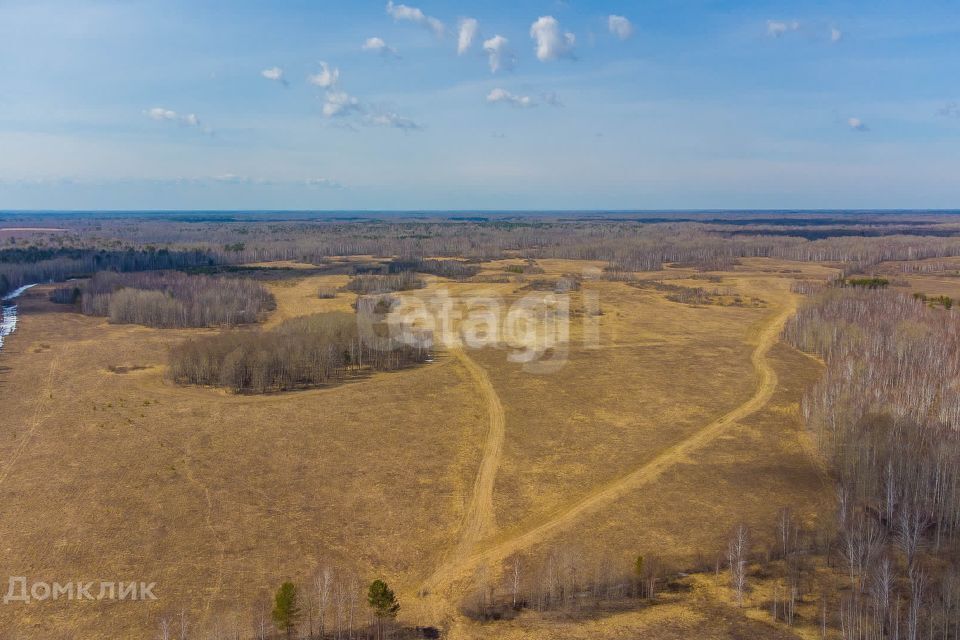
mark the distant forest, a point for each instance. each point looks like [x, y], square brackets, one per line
[715, 241]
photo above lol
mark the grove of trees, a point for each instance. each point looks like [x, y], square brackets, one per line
[299, 353]
[376, 283]
[886, 415]
[174, 299]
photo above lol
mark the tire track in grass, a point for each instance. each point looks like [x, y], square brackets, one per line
[479, 520]
[460, 567]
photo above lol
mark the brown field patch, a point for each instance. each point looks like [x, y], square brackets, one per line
[119, 474]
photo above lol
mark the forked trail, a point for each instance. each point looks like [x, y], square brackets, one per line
[460, 566]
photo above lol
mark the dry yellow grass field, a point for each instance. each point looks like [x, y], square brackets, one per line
[680, 422]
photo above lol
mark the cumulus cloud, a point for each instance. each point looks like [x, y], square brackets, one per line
[377, 45]
[620, 26]
[835, 34]
[275, 74]
[412, 14]
[162, 114]
[551, 42]
[340, 103]
[466, 34]
[327, 77]
[499, 95]
[857, 124]
[776, 28]
[498, 52]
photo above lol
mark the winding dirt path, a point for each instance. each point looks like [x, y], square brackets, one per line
[460, 567]
[479, 521]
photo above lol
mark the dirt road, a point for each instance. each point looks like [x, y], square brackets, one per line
[460, 565]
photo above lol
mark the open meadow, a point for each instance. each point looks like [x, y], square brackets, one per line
[663, 425]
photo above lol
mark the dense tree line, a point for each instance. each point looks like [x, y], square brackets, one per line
[299, 353]
[29, 265]
[886, 414]
[173, 299]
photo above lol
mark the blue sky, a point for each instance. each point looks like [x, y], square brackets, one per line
[645, 105]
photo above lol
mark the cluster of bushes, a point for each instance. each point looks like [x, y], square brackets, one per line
[452, 269]
[300, 353]
[696, 295]
[173, 299]
[530, 267]
[557, 285]
[944, 301]
[373, 283]
[864, 283]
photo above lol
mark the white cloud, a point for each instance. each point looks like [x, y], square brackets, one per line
[412, 14]
[857, 124]
[620, 26]
[551, 43]
[504, 96]
[467, 34]
[337, 103]
[498, 52]
[835, 34]
[275, 74]
[390, 119]
[777, 28]
[377, 45]
[327, 77]
[161, 114]
[340, 103]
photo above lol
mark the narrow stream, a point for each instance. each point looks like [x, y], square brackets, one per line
[8, 324]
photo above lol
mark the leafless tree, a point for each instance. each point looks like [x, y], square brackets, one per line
[323, 583]
[164, 633]
[737, 552]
